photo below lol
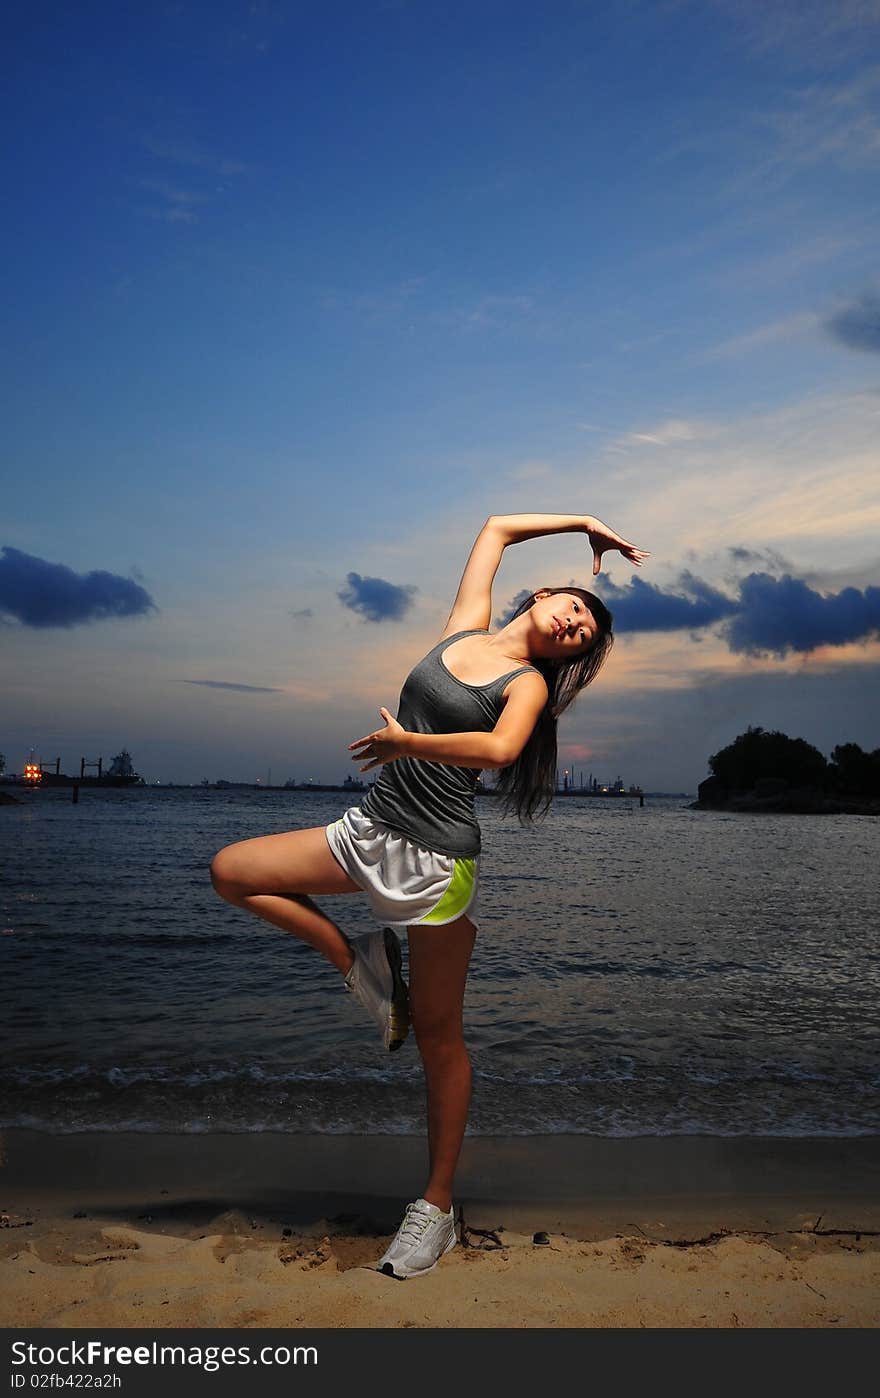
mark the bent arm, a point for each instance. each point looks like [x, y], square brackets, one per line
[482, 750]
[510, 529]
[527, 697]
[524, 702]
[472, 608]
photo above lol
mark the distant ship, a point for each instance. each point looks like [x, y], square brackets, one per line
[349, 784]
[120, 773]
[121, 770]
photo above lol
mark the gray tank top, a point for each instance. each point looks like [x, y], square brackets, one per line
[433, 802]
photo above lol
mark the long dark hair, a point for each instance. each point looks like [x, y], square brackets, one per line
[529, 782]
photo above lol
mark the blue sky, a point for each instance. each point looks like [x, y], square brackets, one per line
[297, 295]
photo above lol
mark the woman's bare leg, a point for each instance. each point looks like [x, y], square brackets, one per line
[272, 877]
[438, 965]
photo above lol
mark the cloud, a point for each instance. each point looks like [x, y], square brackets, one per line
[243, 688]
[744, 555]
[834, 122]
[375, 599]
[643, 606]
[41, 594]
[793, 259]
[738, 559]
[831, 123]
[771, 615]
[796, 484]
[669, 433]
[179, 204]
[301, 613]
[858, 326]
[784, 614]
[774, 333]
[800, 478]
[799, 31]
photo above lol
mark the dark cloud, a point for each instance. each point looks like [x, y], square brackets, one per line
[302, 612]
[375, 599]
[858, 326]
[784, 614]
[42, 594]
[244, 688]
[769, 558]
[770, 615]
[643, 606]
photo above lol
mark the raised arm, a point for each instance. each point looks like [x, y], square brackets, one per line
[472, 608]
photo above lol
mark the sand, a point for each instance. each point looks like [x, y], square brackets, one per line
[230, 1231]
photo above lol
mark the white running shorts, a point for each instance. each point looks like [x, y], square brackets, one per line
[404, 882]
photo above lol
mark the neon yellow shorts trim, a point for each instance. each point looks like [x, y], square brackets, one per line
[458, 895]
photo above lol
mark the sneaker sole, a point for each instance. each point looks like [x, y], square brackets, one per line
[388, 1269]
[399, 1016]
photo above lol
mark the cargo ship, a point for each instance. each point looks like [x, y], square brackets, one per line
[120, 773]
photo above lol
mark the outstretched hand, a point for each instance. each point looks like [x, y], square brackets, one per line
[382, 746]
[602, 539]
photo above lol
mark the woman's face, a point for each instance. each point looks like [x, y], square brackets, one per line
[562, 626]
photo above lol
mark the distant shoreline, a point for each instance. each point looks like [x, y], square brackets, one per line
[94, 786]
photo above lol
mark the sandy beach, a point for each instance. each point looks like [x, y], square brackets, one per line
[245, 1231]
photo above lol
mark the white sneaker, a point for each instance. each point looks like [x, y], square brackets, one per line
[425, 1235]
[376, 982]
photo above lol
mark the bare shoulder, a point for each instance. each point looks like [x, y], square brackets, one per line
[524, 701]
[529, 687]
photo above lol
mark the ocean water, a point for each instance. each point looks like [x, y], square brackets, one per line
[638, 972]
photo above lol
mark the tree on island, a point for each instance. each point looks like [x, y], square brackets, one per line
[855, 772]
[757, 756]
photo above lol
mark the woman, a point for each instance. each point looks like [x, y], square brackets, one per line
[478, 700]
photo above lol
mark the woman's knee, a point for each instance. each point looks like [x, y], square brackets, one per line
[227, 870]
[443, 1056]
[436, 1035]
